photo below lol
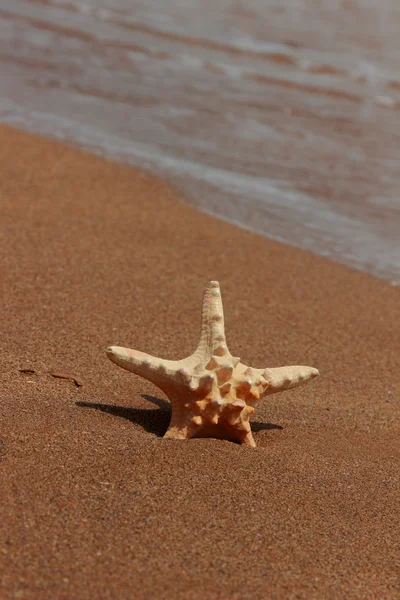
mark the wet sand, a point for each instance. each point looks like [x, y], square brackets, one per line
[94, 503]
[279, 115]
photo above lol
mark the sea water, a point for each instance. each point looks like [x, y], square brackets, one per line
[282, 116]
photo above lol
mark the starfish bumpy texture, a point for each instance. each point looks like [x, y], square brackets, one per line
[212, 393]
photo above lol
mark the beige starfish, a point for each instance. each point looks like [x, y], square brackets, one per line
[211, 392]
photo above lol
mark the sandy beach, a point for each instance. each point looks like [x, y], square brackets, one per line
[94, 503]
[281, 116]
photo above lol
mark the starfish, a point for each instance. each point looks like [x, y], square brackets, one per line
[212, 393]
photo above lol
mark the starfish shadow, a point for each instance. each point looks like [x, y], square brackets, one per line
[158, 402]
[257, 426]
[153, 421]
[2, 450]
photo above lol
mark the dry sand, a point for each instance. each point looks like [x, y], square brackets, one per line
[94, 503]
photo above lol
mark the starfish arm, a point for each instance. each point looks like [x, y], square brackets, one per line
[180, 429]
[150, 367]
[212, 338]
[284, 378]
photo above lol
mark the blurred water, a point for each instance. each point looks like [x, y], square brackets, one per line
[281, 116]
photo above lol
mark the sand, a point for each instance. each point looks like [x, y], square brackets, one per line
[94, 503]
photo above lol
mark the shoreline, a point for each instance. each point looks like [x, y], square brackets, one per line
[98, 505]
[315, 219]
